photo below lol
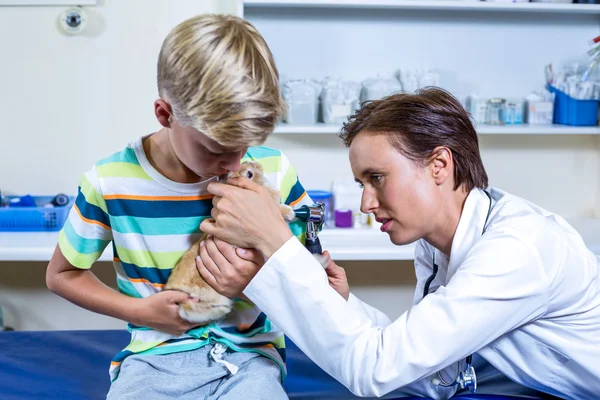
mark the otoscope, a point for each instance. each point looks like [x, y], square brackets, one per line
[313, 216]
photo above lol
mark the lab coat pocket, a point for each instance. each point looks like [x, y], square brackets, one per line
[549, 362]
[548, 352]
[544, 352]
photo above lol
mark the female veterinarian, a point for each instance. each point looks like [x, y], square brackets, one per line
[503, 286]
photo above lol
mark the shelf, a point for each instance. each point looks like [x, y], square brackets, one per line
[482, 130]
[363, 244]
[24, 3]
[33, 246]
[343, 244]
[307, 129]
[442, 5]
[537, 130]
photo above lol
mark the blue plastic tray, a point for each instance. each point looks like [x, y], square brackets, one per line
[570, 111]
[40, 218]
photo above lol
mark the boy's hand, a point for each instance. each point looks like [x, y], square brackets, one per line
[337, 278]
[160, 312]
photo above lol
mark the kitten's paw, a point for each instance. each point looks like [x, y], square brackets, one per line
[203, 313]
[287, 213]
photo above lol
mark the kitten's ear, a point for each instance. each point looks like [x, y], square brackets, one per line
[258, 166]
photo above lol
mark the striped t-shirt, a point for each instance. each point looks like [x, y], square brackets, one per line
[151, 222]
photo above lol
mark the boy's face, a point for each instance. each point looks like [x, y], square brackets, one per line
[199, 153]
[202, 155]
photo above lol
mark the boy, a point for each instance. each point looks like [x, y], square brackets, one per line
[219, 95]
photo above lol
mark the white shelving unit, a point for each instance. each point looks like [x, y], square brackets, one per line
[317, 129]
[445, 5]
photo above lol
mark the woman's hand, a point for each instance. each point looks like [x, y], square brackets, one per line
[226, 269]
[337, 277]
[245, 215]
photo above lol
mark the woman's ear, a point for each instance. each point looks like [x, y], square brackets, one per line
[442, 165]
[162, 110]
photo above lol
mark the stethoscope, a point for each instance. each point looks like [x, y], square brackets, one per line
[464, 379]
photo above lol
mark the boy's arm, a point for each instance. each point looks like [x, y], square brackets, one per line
[83, 288]
[82, 240]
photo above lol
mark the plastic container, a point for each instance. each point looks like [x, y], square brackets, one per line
[570, 111]
[34, 219]
[539, 108]
[327, 199]
[379, 87]
[302, 100]
[496, 109]
[343, 219]
[514, 111]
[339, 99]
[477, 107]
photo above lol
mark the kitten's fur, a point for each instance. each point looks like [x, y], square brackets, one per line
[207, 305]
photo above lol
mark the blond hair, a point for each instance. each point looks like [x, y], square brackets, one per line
[219, 76]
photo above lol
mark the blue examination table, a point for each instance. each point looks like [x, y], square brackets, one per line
[71, 365]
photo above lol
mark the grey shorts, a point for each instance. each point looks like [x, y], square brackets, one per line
[196, 375]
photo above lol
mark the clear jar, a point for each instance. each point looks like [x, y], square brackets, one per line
[496, 110]
[514, 111]
[302, 101]
[339, 99]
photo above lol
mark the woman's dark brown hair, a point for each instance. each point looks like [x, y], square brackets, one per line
[418, 123]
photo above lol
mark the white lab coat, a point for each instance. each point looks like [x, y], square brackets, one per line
[525, 296]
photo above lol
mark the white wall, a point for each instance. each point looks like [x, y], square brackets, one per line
[493, 53]
[28, 305]
[68, 101]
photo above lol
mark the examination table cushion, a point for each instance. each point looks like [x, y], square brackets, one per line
[71, 365]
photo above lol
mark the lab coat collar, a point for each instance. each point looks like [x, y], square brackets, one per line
[470, 227]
